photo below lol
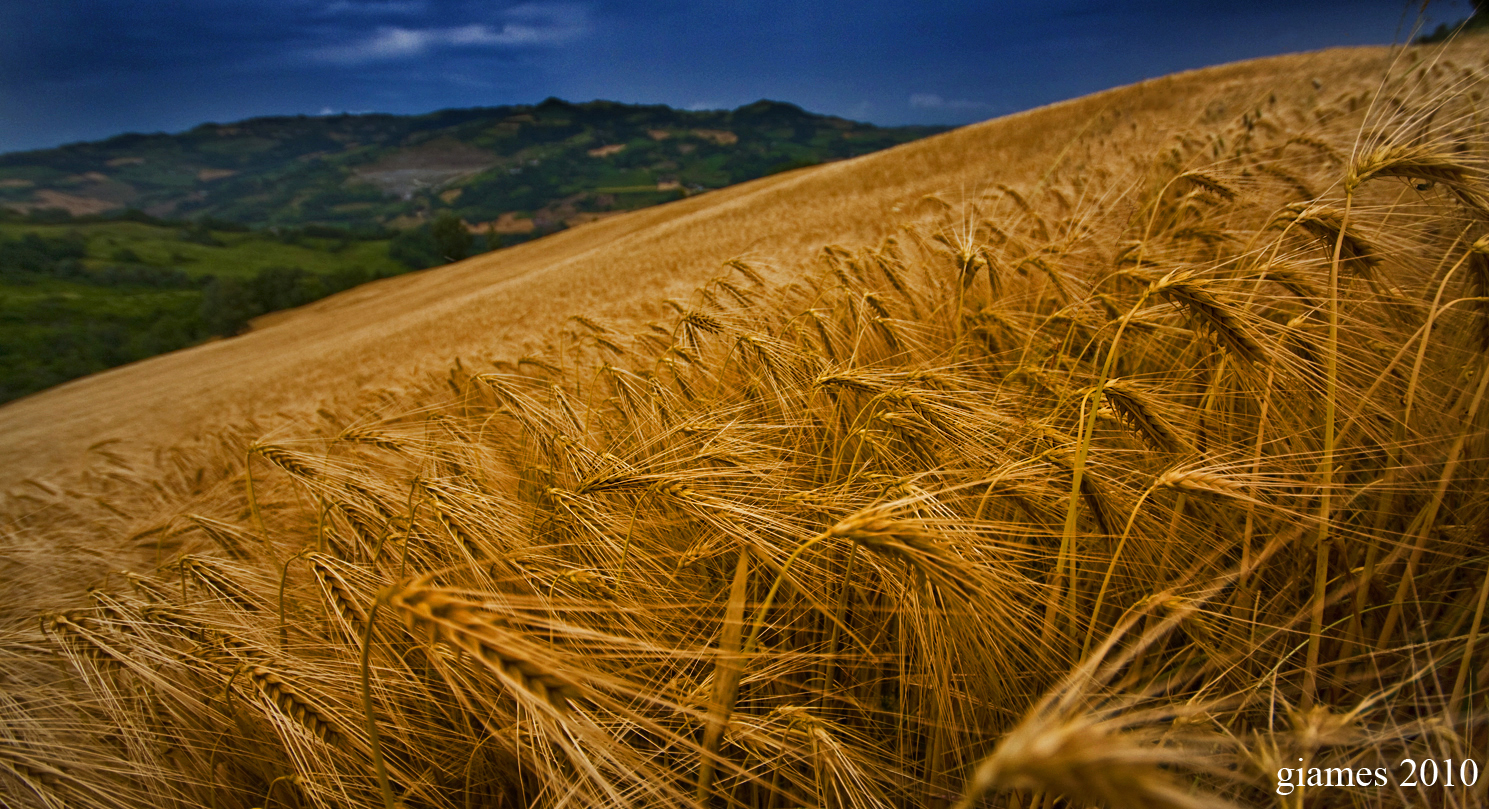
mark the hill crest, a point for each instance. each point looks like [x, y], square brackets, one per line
[552, 164]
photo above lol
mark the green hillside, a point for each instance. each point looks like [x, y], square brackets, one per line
[520, 170]
[118, 250]
[83, 296]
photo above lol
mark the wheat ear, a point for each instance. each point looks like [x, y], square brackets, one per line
[444, 617]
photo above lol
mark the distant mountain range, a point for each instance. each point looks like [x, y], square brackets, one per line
[515, 170]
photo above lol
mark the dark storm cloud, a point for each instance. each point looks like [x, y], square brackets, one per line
[70, 41]
[86, 69]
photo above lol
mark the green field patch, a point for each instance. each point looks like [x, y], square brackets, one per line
[81, 297]
[236, 255]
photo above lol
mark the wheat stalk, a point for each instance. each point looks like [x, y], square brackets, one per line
[295, 464]
[339, 594]
[441, 616]
[295, 705]
[1137, 409]
[1208, 183]
[1420, 161]
[1211, 313]
[1203, 482]
[1088, 760]
[1326, 224]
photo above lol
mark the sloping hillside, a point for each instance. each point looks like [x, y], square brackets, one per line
[379, 335]
[270, 213]
[517, 169]
[1130, 452]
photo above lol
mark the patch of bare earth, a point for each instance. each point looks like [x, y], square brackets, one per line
[427, 165]
[72, 203]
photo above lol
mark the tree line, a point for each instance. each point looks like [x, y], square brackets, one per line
[61, 333]
[140, 310]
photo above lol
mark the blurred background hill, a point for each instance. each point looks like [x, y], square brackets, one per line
[121, 249]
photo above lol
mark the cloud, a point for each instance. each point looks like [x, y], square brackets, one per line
[528, 25]
[376, 7]
[931, 101]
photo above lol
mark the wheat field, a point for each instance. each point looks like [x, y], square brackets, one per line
[1130, 452]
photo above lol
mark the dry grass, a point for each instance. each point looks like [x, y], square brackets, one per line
[1128, 485]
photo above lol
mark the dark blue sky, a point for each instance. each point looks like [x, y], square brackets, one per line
[85, 69]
